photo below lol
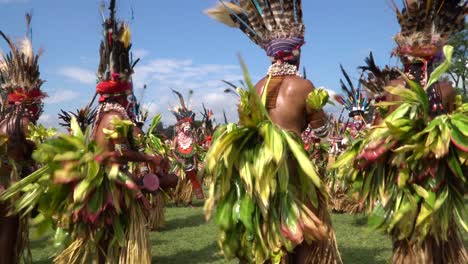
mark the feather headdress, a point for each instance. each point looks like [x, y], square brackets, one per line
[375, 79]
[84, 116]
[354, 100]
[426, 25]
[19, 71]
[274, 25]
[116, 63]
[207, 119]
[182, 112]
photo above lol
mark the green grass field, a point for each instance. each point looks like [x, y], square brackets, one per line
[187, 238]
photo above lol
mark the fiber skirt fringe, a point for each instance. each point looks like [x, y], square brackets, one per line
[183, 192]
[156, 218]
[136, 248]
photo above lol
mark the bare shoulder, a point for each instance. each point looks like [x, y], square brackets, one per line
[108, 117]
[298, 85]
[260, 84]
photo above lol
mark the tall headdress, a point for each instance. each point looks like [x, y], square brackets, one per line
[375, 79]
[426, 25]
[20, 76]
[85, 117]
[207, 119]
[355, 101]
[182, 112]
[274, 25]
[116, 64]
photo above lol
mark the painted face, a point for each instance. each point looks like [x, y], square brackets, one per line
[186, 128]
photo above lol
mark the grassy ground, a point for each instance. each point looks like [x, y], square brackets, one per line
[187, 238]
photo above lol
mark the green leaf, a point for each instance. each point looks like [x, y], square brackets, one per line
[317, 99]
[462, 218]
[442, 68]
[441, 199]
[377, 218]
[304, 163]
[154, 124]
[119, 231]
[420, 191]
[403, 176]
[75, 128]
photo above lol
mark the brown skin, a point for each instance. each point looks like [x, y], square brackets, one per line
[19, 150]
[447, 93]
[291, 112]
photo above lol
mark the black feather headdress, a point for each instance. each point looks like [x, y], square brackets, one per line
[182, 112]
[354, 99]
[85, 117]
[426, 25]
[375, 79]
[274, 25]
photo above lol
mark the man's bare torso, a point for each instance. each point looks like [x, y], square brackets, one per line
[291, 112]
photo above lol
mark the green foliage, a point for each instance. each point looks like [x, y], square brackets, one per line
[261, 212]
[317, 99]
[72, 183]
[39, 134]
[412, 169]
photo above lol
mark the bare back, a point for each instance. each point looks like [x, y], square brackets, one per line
[291, 112]
[105, 122]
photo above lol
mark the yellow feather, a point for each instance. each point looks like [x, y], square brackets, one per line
[126, 36]
[221, 13]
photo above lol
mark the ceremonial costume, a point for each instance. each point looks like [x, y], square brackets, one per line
[412, 167]
[85, 190]
[21, 94]
[185, 152]
[356, 103]
[269, 198]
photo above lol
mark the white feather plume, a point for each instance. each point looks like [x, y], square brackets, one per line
[26, 48]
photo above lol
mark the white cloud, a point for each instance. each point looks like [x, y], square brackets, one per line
[61, 96]
[204, 80]
[81, 75]
[47, 120]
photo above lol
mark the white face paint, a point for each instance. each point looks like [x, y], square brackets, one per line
[186, 128]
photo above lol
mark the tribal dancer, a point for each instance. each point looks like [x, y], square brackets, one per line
[85, 187]
[260, 167]
[413, 166]
[20, 83]
[356, 103]
[116, 133]
[185, 152]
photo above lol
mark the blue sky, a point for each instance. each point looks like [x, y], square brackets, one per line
[182, 48]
